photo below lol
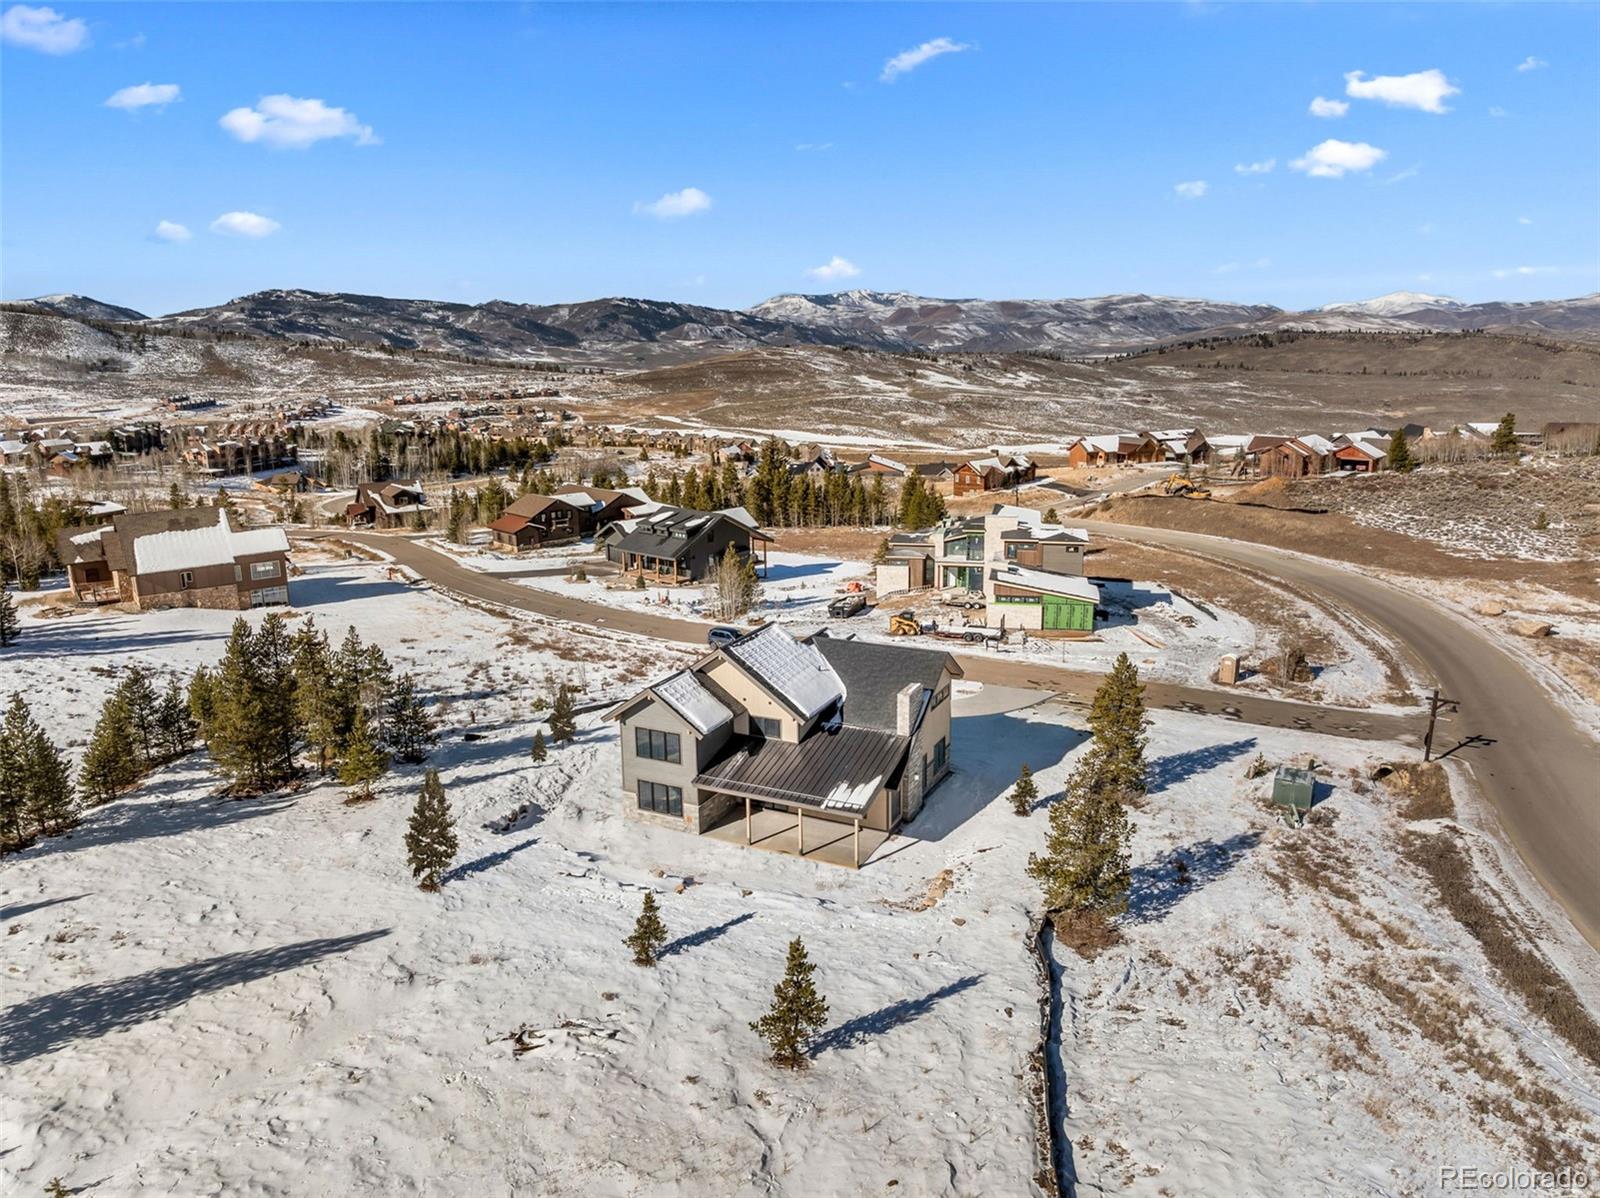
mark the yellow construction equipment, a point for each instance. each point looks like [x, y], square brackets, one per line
[904, 623]
[1182, 484]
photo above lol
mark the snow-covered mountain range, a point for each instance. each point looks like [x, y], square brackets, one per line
[631, 330]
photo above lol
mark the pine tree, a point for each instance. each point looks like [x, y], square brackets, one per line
[14, 770]
[1504, 441]
[408, 726]
[52, 806]
[111, 762]
[251, 710]
[56, 1188]
[202, 705]
[1117, 722]
[796, 1013]
[138, 698]
[175, 499]
[430, 837]
[364, 762]
[562, 725]
[538, 751]
[10, 624]
[1025, 793]
[317, 695]
[1050, 516]
[649, 932]
[174, 723]
[1084, 868]
[1400, 457]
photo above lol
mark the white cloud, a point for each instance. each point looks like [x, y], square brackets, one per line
[42, 29]
[1497, 111]
[835, 268]
[287, 121]
[1264, 167]
[813, 147]
[144, 95]
[245, 224]
[1531, 63]
[675, 204]
[171, 230]
[1323, 107]
[1524, 220]
[1411, 172]
[1191, 190]
[1332, 158]
[909, 60]
[1513, 272]
[1424, 90]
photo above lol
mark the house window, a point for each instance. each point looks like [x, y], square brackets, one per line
[941, 755]
[657, 746]
[660, 798]
[186, 579]
[940, 696]
[263, 569]
[767, 726]
[1016, 598]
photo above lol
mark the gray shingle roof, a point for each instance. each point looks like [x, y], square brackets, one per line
[874, 674]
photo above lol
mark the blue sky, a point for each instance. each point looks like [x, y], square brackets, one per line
[476, 151]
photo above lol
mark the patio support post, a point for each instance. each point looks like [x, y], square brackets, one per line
[748, 837]
[800, 827]
[857, 843]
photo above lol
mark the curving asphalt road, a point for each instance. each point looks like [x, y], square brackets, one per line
[1537, 769]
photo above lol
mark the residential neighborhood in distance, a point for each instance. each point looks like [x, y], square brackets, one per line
[799, 601]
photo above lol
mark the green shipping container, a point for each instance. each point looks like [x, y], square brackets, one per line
[1068, 615]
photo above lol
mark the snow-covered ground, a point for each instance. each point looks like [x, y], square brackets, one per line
[211, 996]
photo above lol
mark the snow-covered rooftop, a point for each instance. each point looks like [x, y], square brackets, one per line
[212, 545]
[792, 669]
[1052, 584]
[686, 695]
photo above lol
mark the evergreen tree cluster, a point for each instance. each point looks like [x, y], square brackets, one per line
[28, 528]
[1504, 441]
[274, 695]
[383, 454]
[36, 797]
[10, 622]
[138, 730]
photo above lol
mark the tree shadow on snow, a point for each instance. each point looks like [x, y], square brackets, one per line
[488, 861]
[885, 1019]
[704, 935]
[109, 635]
[1178, 767]
[787, 573]
[38, 1026]
[21, 909]
[1159, 886]
[314, 589]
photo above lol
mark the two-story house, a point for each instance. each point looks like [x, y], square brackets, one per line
[819, 747]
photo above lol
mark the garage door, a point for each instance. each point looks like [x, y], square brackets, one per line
[268, 596]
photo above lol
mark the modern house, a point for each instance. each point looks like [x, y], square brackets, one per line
[1298, 457]
[600, 505]
[671, 546]
[1363, 453]
[385, 505]
[1115, 449]
[188, 558]
[1030, 573]
[820, 747]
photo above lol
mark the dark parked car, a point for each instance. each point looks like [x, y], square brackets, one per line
[721, 634]
[846, 606]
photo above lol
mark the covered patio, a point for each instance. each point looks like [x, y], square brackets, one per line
[793, 830]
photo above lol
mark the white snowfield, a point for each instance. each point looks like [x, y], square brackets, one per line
[214, 996]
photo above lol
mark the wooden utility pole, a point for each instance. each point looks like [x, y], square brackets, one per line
[1436, 704]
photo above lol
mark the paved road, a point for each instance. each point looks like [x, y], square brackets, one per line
[1076, 686]
[1537, 768]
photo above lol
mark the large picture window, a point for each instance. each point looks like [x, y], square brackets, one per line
[657, 746]
[659, 798]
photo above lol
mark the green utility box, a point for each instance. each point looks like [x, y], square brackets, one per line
[1294, 789]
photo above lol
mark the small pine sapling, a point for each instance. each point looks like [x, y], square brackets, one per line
[1025, 793]
[538, 752]
[430, 835]
[797, 1011]
[649, 932]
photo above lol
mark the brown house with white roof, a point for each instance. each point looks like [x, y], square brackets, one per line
[188, 558]
[385, 505]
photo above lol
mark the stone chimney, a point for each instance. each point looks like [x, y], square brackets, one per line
[907, 705]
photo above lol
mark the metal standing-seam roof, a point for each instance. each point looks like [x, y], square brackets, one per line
[842, 769]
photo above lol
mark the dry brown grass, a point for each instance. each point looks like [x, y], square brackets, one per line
[1423, 789]
[1508, 945]
[1085, 933]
